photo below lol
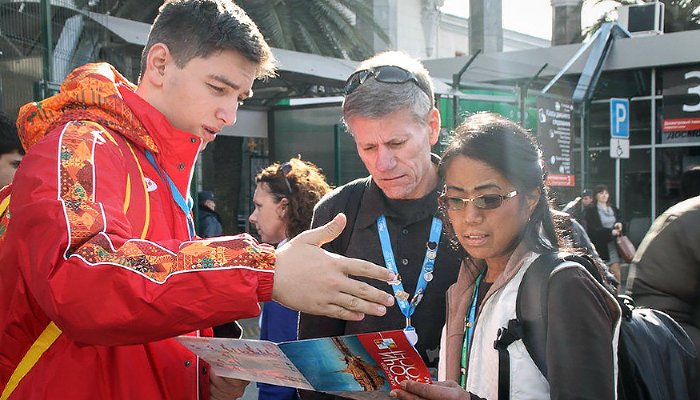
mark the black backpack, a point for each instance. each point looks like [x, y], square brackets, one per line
[656, 358]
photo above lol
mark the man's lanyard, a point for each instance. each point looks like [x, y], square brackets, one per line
[185, 206]
[408, 308]
[470, 320]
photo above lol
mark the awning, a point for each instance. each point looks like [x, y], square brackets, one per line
[293, 66]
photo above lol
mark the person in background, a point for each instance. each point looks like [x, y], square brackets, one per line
[100, 266]
[665, 272]
[285, 196]
[497, 208]
[576, 207]
[604, 225]
[209, 219]
[390, 112]
[574, 233]
[209, 226]
[11, 151]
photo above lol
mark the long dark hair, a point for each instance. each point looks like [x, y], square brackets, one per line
[599, 189]
[512, 151]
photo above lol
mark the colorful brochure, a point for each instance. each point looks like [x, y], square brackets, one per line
[365, 366]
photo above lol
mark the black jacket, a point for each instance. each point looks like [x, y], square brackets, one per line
[209, 223]
[409, 227]
[600, 235]
[665, 273]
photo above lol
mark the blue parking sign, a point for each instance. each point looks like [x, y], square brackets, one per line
[619, 118]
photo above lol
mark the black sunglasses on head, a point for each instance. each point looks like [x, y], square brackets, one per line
[284, 170]
[383, 74]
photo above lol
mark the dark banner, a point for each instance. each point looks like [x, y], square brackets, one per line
[681, 111]
[554, 125]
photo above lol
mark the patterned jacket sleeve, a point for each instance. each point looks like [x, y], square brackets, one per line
[91, 274]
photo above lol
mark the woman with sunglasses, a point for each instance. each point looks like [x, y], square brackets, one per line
[284, 199]
[497, 208]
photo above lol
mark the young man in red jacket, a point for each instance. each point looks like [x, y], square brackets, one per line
[99, 261]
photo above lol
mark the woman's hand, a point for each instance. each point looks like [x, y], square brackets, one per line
[617, 229]
[445, 390]
[221, 388]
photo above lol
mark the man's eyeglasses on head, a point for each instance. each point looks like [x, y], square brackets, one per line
[383, 74]
[284, 170]
[484, 202]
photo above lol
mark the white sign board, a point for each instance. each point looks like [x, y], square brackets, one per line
[619, 148]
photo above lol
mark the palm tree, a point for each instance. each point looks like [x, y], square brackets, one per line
[326, 27]
[679, 15]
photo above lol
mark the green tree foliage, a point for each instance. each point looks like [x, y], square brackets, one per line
[336, 28]
[327, 27]
[679, 15]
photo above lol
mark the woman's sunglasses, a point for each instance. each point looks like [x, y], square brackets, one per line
[284, 170]
[384, 74]
[484, 202]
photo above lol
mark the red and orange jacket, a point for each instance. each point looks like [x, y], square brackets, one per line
[97, 270]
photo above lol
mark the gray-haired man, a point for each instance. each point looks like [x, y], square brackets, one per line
[389, 110]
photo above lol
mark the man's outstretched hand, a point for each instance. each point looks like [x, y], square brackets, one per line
[314, 281]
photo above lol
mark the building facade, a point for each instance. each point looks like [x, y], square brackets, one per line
[659, 76]
[272, 126]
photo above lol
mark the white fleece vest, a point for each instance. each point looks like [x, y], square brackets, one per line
[526, 380]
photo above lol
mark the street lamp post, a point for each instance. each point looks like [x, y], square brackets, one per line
[47, 39]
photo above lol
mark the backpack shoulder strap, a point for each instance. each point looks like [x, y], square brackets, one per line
[4, 212]
[531, 303]
[531, 307]
[530, 323]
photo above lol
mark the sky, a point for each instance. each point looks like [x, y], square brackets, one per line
[533, 17]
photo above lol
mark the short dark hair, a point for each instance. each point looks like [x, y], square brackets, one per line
[511, 150]
[307, 185]
[199, 28]
[9, 141]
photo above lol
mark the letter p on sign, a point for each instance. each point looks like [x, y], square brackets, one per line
[619, 118]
